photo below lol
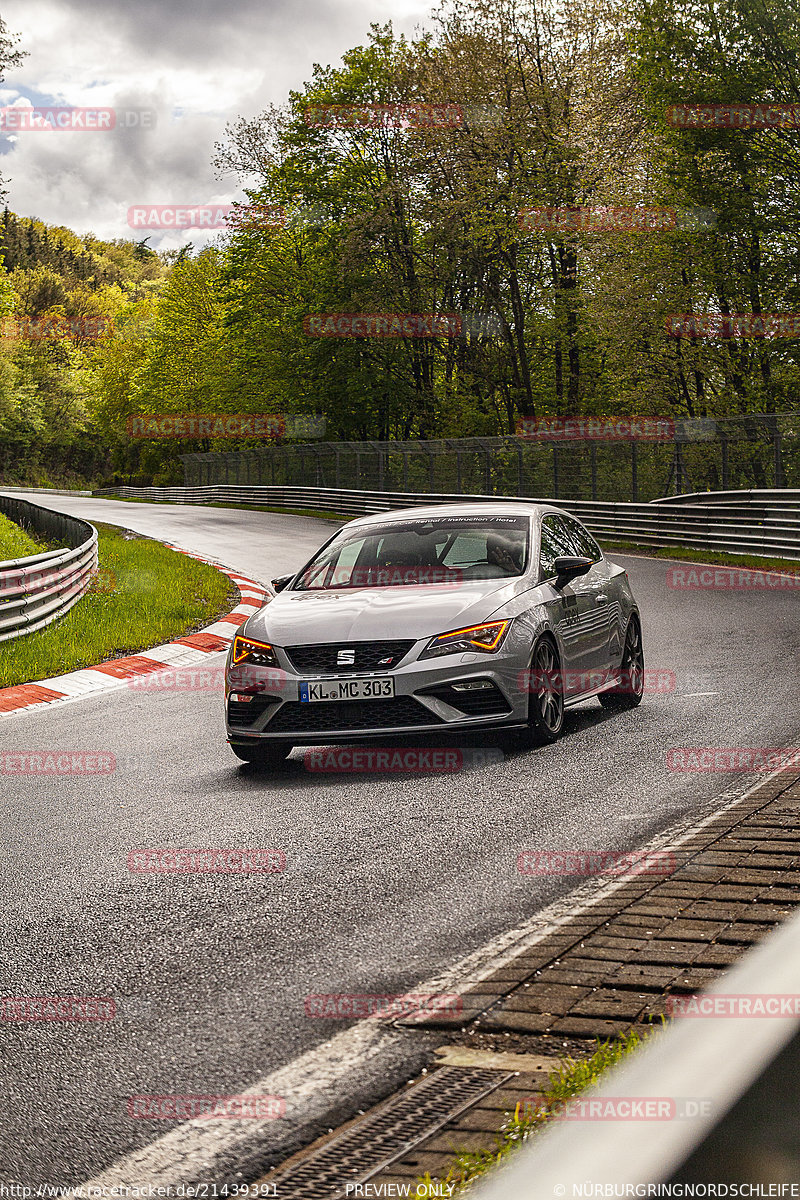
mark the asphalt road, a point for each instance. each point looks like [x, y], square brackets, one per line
[388, 880]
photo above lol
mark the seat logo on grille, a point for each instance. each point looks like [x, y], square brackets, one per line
[346, 658]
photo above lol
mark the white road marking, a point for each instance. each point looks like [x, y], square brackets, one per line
[316, 1081]
[690, 695]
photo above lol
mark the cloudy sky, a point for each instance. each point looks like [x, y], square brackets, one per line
[195, 64]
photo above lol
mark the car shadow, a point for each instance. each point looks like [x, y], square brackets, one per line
[467, 752]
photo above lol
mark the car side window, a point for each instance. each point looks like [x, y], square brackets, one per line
[555, 541]
[582, 540]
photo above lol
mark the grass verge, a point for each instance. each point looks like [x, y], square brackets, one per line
[15, 542]
[144, 594]
[715, 557]
[569, 1080]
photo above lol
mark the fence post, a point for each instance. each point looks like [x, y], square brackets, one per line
[338, 468]
[555, 472]
[520, 483]
[634, 472]
[725, 467]
[593, 452]
[487, 473]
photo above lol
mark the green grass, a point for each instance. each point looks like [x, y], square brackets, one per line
[718, 557]
[570, 1079]
[144, 594]
[15, 542]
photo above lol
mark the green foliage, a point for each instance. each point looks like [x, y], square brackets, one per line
[562, 106]
[15, 542]
[57, 292]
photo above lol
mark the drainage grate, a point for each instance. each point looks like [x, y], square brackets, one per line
[371, 1145]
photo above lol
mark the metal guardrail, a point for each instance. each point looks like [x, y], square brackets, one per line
[42, 587]
[735, 1082]
[751, 525]
[755, 451]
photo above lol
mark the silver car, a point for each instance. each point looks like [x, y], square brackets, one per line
[436, 620]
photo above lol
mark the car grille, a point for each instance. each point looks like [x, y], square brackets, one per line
[323, 717]
[243, 715]
[321, 659]
[484, 702]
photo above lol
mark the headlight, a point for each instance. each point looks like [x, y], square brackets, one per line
[245, 649]
[485, 638]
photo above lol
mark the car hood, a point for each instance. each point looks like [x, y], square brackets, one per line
[372, 614]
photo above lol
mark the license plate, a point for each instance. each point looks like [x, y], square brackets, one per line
[347, 689]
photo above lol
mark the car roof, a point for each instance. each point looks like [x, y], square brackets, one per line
[481, 508]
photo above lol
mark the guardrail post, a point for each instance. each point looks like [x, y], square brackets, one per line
[776, 441]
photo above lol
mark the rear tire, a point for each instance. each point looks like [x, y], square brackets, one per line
[263, 754]
[546, 699]
[629, 688]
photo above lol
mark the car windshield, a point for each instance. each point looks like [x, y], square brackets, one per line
[442, 552]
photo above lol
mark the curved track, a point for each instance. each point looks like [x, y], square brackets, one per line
[388, 881]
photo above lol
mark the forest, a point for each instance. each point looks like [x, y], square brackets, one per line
[549, 189]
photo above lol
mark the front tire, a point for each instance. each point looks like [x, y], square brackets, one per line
[262, 754]
[546, 698]
[629, 688]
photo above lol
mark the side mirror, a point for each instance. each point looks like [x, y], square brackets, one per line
[282, 581]
[568, 567]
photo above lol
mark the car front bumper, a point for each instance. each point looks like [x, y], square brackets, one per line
[429, 699]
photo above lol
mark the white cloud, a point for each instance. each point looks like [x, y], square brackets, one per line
[198, 65]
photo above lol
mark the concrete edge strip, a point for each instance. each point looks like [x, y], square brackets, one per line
[186, 652]
[312, 1083]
